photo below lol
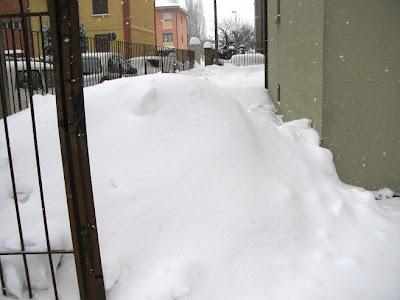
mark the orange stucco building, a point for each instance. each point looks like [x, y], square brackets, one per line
[171, 26]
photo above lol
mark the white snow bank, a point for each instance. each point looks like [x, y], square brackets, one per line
[384, 193]
[200, 197]
[194, 41]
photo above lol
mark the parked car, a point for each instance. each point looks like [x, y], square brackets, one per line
[18, 84]
[100, 66]
[146, 64]
[11, 54]
[154, 64]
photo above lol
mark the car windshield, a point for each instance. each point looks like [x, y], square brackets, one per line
[91, 65]
[154, 62]
[125, 65]
[22, 80]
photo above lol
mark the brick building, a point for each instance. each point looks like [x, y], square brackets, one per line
[10, 27]
[128, 20]
[171, 25]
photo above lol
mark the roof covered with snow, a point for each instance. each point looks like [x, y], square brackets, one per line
[171, 4]
[195, 41]
[168, 3]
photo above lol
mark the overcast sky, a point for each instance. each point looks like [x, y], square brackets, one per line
[244, 8]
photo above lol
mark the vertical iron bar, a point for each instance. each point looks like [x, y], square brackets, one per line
[44, 55]
[64, 18]
[38, 168]
[14, 189]
[3, 284]
[16, 68]
[24, 66]
[216, 28]
[266, 42]
[13, 104]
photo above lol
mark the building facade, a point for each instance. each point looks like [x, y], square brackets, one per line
[11, 28]
[171, 26]
[128, 20]
[337, 62]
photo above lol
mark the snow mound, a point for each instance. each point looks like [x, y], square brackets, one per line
[201, 192]
[384, 193]
[194, 41]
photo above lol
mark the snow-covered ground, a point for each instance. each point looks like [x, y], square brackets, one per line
[201, 192]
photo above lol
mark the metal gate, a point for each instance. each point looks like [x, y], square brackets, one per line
[27, 67]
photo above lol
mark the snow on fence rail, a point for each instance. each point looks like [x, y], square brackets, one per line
[247, 59]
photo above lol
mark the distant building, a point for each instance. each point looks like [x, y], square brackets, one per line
[171, 24]
[337, 62]
[11, 27]
[127, 20]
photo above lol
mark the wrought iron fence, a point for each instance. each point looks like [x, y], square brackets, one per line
[31, 63]
[24, 73]
[106, 60]
[102, 60]
[211, 56]
[27, 68]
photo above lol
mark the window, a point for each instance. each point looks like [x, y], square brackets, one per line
[17, 25]
[100, 7]
[155, 63]
[167, 38]
[167, 16]
[11, 25]
[102, 43]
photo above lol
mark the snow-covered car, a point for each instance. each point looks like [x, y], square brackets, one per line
[18, 87]
[146, 64]
[100, 66]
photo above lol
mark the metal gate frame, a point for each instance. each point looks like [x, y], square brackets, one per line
[64, 20]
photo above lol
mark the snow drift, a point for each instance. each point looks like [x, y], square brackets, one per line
[198, 198]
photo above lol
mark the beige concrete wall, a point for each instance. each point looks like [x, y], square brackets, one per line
[102, 24]
[295, 58]
[362, 90]
[338, 63]
[143, 26]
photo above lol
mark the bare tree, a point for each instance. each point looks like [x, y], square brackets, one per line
[197, 20]
[236, 35]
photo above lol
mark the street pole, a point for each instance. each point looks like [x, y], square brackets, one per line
[216, 25]
[235, 12]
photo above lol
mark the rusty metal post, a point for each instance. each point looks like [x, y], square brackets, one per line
[64, 20]
[216, 28]
[265, 12]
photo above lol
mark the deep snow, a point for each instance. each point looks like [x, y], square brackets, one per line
[202, 192]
